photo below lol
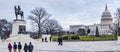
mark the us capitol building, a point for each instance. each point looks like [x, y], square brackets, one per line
[103, 27]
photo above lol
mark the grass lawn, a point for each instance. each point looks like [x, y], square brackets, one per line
[54, 37]
[86, 38]
[65, 37]
[101, 38]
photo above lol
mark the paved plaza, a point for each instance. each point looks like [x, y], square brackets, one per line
[70, 46]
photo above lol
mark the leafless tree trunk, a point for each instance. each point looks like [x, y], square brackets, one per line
[39, 17]
[116, 26]
[51, 26]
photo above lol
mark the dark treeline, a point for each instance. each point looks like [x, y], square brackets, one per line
[5, 28]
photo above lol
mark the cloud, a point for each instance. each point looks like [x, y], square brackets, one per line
[66, 12]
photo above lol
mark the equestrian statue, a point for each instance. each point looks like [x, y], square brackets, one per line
[18, 11]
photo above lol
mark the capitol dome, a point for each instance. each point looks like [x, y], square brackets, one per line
[106, 16]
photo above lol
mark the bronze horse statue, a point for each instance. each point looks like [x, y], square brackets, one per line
[19, 12]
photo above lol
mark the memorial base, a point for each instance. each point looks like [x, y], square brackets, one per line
[20, 38]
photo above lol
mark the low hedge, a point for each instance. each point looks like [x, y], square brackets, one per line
[75, 37]
[65, 37]
[35, 37]
[86, 38]
[92, 38]
[54, 38]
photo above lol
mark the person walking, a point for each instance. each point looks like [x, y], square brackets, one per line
[46, 39]
[42, 40]
[50, 39]
[30, 47]
[10, 47]
[61, 41]
[15, 47]
[25, 48]
[19, 47]
[58, 41]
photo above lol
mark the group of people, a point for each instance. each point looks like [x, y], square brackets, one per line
[46, 39]
[60, 40]
[27, 48]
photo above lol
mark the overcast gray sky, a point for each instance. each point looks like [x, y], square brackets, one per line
[66, 12]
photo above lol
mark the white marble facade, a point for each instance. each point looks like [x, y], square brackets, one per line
[106, 21]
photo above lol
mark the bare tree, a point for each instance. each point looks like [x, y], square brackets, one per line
[51, 26]
[39, 17]
[116, 26]
[5, 28]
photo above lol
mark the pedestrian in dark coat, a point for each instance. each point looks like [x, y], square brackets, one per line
[46, 39]
[19, 47]
[42, 40]
[30, 47]
[15, 47]
[50, 39]
[60, 41]
[25, 48]
[10, 47]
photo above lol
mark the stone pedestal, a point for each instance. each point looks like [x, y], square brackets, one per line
[20, 38]
[15, 27]
[16, 36]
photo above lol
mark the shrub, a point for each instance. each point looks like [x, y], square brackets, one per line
[65, 37]
[75, 37]
[54, 38]
[35, 37]
[92, 38]
[86, 39]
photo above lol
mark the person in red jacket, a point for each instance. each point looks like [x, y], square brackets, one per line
[10, 47]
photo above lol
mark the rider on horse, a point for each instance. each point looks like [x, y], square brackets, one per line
[19, 12]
